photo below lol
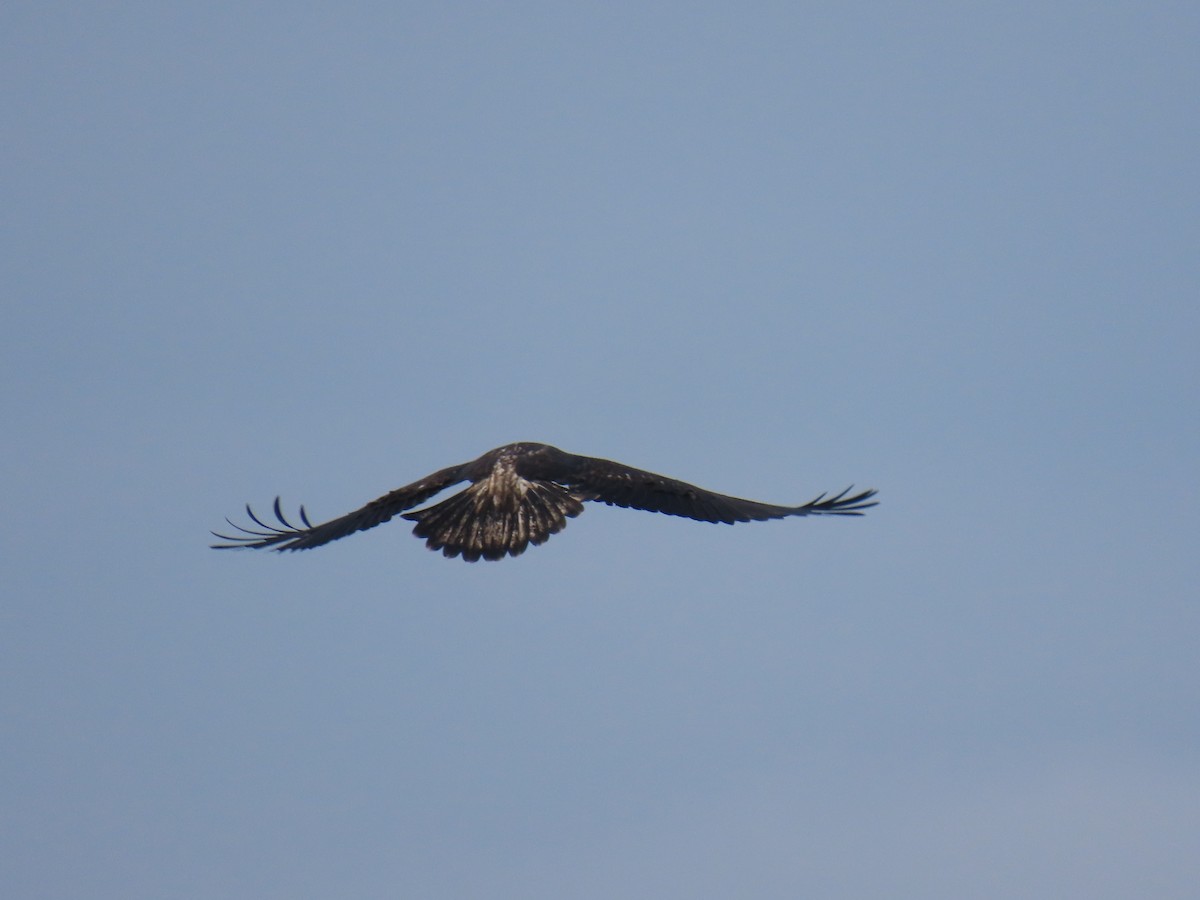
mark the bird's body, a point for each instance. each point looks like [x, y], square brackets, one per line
[522, 493]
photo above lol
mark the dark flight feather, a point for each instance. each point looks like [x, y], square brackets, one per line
[521, 494]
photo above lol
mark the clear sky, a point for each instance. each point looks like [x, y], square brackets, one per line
[948, 250]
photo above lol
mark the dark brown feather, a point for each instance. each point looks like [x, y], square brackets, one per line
[471, 525]
[374, 513]
[620, 485]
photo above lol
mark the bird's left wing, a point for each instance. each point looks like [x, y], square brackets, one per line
[291, 537]
[621, 485]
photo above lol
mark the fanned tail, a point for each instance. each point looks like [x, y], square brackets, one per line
[472, 524]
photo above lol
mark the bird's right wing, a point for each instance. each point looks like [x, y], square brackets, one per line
[291, 537]
[621, 485]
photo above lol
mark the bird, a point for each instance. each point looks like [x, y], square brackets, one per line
[521, 494]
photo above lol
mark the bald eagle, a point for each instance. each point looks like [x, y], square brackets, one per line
[520, 494]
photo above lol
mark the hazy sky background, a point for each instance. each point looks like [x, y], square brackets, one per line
[948, 250]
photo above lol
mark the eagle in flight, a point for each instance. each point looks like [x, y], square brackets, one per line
[520, 494]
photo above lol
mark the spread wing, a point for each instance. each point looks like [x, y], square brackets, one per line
[620, 485]
[291, 537]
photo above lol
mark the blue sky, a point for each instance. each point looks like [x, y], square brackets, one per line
[945, 250]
